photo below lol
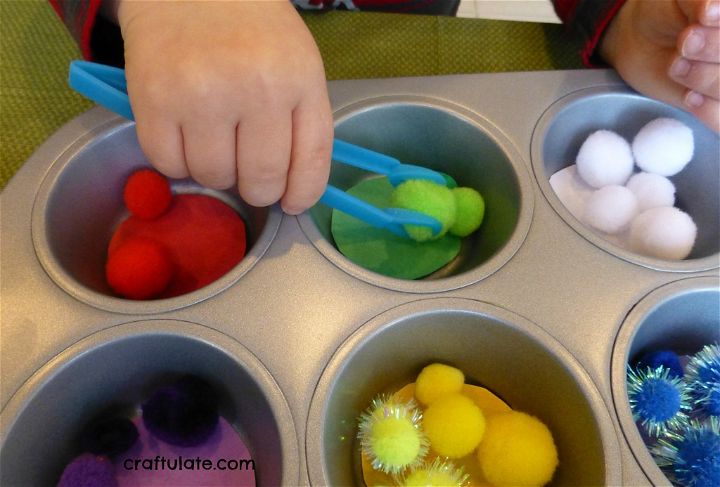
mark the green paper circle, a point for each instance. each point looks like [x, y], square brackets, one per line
[381, 251]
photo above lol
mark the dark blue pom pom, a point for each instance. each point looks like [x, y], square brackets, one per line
[88, 470]
[662, 358]
[108, 436]
[184, 413]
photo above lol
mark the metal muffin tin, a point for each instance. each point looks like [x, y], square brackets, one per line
[298, 339]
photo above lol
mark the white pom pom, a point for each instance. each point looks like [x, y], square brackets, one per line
[664, 232]
[664, 146]
[610, 209]
[651, 190]
[605, 158]
[571, 190]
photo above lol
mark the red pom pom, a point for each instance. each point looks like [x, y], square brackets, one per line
[139, 269]
[147, 194]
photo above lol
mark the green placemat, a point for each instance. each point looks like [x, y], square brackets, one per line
[35, 50]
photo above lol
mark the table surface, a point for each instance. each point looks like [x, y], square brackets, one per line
[36, 50]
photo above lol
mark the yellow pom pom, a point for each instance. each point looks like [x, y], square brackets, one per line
[390, 435]
[435, 474]
[454, 425]
[517, 449]
[437, 380]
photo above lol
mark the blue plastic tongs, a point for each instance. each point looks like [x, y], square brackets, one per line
[106, 85]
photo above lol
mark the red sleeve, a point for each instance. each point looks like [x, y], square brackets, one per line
[587, 19]
[79, 18]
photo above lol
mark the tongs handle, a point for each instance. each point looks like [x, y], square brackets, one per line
[107, 86]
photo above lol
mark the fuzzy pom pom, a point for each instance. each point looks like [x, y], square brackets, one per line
[658, 401]
[662, 358]
[664, 232]
[610, 209]
[429, 198]
[571, 190]
[651, 190]
[518, 449]
[454, 425]
[88, 470]
[139, 269]
[436, 474]
[605, 158]
[691, 457]
[147, 194]
[108, 436]
[703, 377]
[390, 435]
[437, 380]
[470, 211]
[664, 146]
[184, 413]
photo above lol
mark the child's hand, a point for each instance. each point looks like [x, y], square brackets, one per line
[227, 92]
[670, 50]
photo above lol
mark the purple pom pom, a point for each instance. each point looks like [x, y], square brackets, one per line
[88, 470]
[108, 436]
[184, 413]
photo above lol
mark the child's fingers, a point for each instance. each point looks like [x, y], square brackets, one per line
[704, 108]
[162, 143]
[312, 146]
[700, 43]
[700, 77]
[210, 152]
[263, 156]
[705, 12]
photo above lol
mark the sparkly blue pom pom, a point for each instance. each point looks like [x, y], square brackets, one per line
[703, 377]
[658, 401]
[691, 458]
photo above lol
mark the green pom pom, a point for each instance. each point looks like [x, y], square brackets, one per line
[429, 198]
[470, 210]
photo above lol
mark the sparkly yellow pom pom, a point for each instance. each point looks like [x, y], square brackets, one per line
[437, 380]
[435, 474]
[454, 425]
[390, 435]
[517, 449]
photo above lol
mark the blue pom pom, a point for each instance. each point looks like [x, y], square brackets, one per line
[692, 457]
[703, 377]
[184, 413]
[705, 365]
[88, 470]
[662, 358]
[658, 402]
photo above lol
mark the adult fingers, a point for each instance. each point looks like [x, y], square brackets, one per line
[263, 156]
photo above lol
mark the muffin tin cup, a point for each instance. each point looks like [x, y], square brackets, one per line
[682, 316]
[496, 349]
[447, 138]
[569, 121]
[121, 365]
[80, 203]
